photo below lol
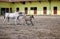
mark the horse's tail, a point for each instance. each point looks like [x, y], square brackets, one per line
[4, 16]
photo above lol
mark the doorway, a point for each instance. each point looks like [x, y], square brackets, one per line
[26, 10]
[4, 10]
[44, 10]
[34, 9]
[7, 10]
[55, 10]
[17, 9]
[10, 10]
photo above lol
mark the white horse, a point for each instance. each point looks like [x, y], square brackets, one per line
[11, 15]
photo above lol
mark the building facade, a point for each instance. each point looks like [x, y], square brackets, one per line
[35, 7]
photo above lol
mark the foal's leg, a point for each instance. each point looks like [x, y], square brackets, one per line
[26, 21]
[31, 22]
[18, 19]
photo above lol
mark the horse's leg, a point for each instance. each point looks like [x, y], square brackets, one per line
[16, 20]
[4, 16]
[4, 20]
[18, 17]
[8, 19]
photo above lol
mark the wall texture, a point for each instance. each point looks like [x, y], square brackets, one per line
[39, 6]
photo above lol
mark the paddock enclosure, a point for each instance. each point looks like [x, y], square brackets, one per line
[45, 27]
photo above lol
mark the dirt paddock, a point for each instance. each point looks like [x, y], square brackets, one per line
[45, 27]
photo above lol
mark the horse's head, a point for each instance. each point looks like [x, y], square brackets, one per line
[21, 13]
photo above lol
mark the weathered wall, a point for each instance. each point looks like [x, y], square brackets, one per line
[39, 6]
[55, 3]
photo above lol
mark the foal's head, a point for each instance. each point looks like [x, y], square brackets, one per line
[31, 16]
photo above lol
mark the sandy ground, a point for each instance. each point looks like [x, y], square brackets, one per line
[45, 27]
